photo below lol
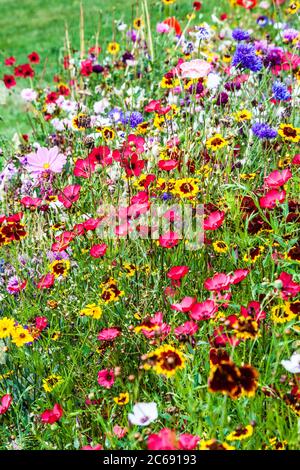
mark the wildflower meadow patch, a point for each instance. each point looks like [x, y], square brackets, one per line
[149, 232]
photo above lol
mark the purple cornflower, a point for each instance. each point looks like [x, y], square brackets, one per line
[246, 57]
[116, 115]
[133, 118]
[280, 92]
[240, 35]
[263, 131]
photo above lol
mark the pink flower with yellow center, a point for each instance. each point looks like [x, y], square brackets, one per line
[46, 160]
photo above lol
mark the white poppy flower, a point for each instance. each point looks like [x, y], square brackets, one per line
[143, 414]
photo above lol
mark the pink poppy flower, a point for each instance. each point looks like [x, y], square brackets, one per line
[220, 281]
[189, 328]
[238, 276]
[289, 288]
[270, 200]
[169, 240]
[296, 159]
[278, 178]
[167, 165]
[84, 168]
[214, 220]
[185, 305]
[45, 160]
[106, 378]
[177, 272]
[119, 431]
[188, 441]
[195, 69]
[5, 403]
[69, 195]
[31, 202]
[94, 447]
[52, 416]
[108, 334]
[253, 310]
[165, 439]
[204, 310]
[98, 251]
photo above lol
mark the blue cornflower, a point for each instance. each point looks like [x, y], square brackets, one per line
[116, 115]
[240, 35]
[202, 33]
[263, 131]
[133, 118]
[280, 91]
[262, 21]
[246, 57]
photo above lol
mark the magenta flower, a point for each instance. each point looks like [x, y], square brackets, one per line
[106, 378]
[45, 160]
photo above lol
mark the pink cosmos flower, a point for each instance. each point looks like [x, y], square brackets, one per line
[195, 69]
[106, 378]
[108, 334]
[51, 416]
[31, 202]
[167, 165]
[45, 160]
[204, 310]
[5, 403]
[278, 178]
[84, 168]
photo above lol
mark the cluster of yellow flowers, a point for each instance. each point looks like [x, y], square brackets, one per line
[10, 329]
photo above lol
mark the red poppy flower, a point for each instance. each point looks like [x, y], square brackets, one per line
[46, 281]
[34, 58]
[270, 200]
[214, 220]
[84, 167]
[101, 155]
[278, 178]
[69, 195]
[169, 240]
[24, 71]
[133, 166]
[177, 272]
[173, 23]
[9, 81]
[289, 288]
[248, 4]
[197, 6]
[204, 310]
[9, 61]
[97, 251]
[152, 106]
[185, 305]
[51, 97]
[5, 403]
[220, 281]
[52, 416]
[167, 165]
[86, 68]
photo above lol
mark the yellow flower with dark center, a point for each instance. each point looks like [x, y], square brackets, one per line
[165, 360]
[248, 176]
[284, 162]
[110, 291]
[275, 444]
[130, 269]
[60, 267]
[293, 7]
[293, 254]
[108, 134]
[169, 82]
[220, 247]
[122, 399]
[243, 115]
[216, 142]
[158, 121]
[297, 75]
[282, 314]
[4, 240]
[21, 336]
[51, 382]
[58, 226]
[289, 133]
[56, 335]
[246, 328]
[226, 58]
[138, 23]
[6, 327]
[292, 307]
[213, 444]
[241, 433]
[92, 310]
[80, 122]
[254, 254]
[186, 188]
[142, 128]
[113, 48]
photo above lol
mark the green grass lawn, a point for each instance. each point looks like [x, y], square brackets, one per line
[39, 25]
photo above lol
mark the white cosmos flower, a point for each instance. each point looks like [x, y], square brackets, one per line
[293, 364]
[28, 94]
[143, 414]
